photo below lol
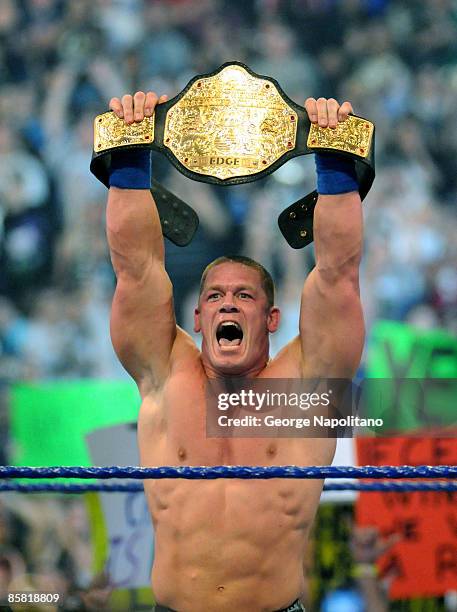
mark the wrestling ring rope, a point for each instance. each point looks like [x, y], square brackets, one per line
[244, 472]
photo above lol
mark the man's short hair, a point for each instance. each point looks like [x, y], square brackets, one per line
[265, 277]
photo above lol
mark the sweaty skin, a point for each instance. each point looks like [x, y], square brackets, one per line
[228, 545]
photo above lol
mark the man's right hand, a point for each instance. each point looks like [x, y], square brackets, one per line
[134, 109]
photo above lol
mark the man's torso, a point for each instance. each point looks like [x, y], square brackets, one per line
[225, 544]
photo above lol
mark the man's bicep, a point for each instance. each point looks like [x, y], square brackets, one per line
[143, 325]
[332, 330]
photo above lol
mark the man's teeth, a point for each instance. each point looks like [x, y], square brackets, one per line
[226, 342]
[225, 323]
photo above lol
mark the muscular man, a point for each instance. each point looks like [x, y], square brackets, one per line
[229, 545]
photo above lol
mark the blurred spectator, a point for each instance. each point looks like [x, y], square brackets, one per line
[6, 574]
[366, 592]
[26, 219]
[280, 58]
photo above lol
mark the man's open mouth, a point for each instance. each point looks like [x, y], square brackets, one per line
[229, 333]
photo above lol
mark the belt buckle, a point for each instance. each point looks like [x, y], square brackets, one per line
[231, 124]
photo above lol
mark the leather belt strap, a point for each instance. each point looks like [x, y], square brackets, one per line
[229, 127]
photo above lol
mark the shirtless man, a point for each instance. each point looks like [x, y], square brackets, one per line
[229, 545]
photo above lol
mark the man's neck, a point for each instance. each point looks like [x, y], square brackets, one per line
[253, 372]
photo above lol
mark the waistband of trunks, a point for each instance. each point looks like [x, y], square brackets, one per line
[296, 606]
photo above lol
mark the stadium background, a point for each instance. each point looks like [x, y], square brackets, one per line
[60, 63]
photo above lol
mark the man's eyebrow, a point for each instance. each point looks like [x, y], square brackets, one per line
[214, 288]
[237, 288]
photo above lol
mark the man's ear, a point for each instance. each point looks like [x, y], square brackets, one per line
[273, 320]
[197, 326]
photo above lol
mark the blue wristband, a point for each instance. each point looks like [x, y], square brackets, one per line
[335, 174]
[131, 169]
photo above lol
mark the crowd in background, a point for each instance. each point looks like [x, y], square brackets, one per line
[61, 62]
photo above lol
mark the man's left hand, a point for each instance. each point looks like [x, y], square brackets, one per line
[327, 112]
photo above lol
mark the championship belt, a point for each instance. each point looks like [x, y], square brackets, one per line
[229, 127]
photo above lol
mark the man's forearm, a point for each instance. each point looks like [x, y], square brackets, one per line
[133, 224]
[133, 229]
[338, 234]
[337, 216]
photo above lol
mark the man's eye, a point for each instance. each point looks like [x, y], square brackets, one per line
[213, 296]
[245, 296]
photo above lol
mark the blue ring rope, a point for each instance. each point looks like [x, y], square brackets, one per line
[224, 471]
[133, 487]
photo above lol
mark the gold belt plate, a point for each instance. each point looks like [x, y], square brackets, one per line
[351, 136]
[230, 124]
[111, 132]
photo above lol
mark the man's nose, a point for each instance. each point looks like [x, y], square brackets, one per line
[228, 306]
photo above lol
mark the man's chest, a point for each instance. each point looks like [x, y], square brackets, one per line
[178, 429]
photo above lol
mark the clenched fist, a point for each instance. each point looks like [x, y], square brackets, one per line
[135, 108]
[327, 112]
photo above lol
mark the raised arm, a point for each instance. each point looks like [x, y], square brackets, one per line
[143, 326]
[331, 319]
